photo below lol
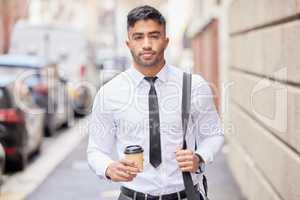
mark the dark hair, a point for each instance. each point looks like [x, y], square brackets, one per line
[144, 13]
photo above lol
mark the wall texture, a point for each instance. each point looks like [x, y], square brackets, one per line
[1, 28]
[205, 46]
[264, 108]
[10, 12]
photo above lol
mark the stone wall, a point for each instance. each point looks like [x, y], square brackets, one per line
[264, 106]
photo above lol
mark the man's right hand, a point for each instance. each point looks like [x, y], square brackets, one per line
[122, 171]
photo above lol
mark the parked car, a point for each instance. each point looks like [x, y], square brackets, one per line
[2, 163]
[70, 48]
[49, 90]
[21, 122]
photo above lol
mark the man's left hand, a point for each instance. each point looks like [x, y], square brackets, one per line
[187, 160]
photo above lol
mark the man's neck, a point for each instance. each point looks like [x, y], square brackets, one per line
[150, 71]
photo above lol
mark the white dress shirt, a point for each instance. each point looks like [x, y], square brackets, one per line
[120, 118]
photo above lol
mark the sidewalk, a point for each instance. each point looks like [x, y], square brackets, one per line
[73, 180]
[221, 184]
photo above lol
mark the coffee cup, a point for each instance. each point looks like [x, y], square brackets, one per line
[135, 153]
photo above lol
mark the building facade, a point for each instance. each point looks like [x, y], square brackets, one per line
[264, 109]
[208, 33]
[10, 12]
[249, 53]
[81, 14]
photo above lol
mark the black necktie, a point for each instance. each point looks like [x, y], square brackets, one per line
[155, 148]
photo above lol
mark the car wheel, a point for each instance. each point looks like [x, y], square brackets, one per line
[38, 150]
[21, 163]
[85, 106]
[49, 132]
[70, 117]
[50, 129]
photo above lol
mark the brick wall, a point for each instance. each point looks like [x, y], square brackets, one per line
[1, 28]
[10, 12]
[264, 108]
[205, 47]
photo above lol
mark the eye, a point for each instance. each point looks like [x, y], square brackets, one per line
[138, 37]
[154, 36]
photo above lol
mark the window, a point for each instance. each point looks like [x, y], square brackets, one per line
[4, 98]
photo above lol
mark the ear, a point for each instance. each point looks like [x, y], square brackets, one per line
[167, 42]
[128, 39]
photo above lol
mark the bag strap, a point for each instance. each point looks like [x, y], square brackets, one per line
[186, 104]
[185, 115]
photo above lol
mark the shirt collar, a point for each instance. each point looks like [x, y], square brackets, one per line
[138, 77]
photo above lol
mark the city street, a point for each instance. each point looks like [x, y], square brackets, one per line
[65, 174]
[54, 150]
[55, 55]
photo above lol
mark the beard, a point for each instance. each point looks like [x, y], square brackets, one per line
[147, 63]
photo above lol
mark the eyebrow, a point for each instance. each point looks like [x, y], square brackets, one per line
[150, 33]
[137, 34]
[154, 32]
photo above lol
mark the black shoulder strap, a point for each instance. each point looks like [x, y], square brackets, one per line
[185, 115]
[185, 112]
[186, 104]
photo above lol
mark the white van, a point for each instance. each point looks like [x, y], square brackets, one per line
[70, 49]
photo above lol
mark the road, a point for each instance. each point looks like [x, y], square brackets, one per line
[63, 174]
[73, 180]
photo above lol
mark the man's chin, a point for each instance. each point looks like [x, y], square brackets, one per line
[147, 64]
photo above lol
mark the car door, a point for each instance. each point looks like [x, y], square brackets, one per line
[34, 119]
[62, 108]
[2, 163]
[61, 97]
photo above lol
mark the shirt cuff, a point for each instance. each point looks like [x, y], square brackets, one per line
[100, 167]
[103, 170]
[201, 164]
[205, 155]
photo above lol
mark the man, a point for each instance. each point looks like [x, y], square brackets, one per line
[123, 115]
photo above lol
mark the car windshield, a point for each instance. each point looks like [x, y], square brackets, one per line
[4, 98]
[18, 66]
[30, 76]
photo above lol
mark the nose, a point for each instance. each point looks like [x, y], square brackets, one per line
[147, 45]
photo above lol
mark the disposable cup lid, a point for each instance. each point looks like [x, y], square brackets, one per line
[132, 149]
